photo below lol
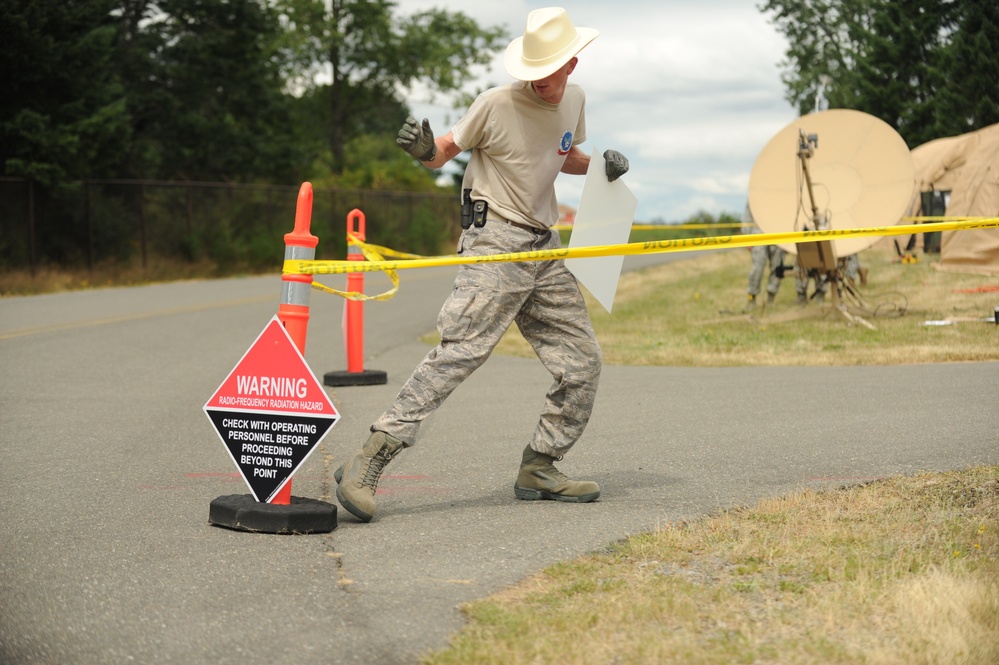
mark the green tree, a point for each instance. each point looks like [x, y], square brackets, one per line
[147, 89]
[926, 67]
[311, 112]
[898, 76]
[211, 94]
[63, 112]
[138, 73]
[969, 96]
[214, 89]
[374, 162]
[825, 39]
[366, 54]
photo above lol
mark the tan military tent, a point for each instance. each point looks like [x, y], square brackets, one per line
[962, 172]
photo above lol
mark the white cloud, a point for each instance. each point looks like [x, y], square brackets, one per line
[688, 90]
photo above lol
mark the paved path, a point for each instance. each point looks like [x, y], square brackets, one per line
[109, 466]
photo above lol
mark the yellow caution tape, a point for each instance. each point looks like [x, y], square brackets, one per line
[378, 250]
[376, 263]
[927, 218]
[371, 253]
[302, 267]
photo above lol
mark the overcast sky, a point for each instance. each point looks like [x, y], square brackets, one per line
[688, 90]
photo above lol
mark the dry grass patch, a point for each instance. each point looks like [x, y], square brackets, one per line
[903, 570]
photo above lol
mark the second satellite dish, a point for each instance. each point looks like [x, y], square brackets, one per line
[861, 172]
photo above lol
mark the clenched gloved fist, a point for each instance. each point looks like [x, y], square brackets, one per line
[617, 165]
[417, 140]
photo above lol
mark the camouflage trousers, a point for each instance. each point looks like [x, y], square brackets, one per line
[544, 301]
[762, 254]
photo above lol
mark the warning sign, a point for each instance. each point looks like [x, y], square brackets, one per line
[271, 412]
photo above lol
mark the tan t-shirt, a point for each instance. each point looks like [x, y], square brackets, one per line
[519, 143]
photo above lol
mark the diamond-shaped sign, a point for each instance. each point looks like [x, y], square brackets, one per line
[271, 412]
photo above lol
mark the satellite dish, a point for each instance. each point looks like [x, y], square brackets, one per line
[861, 174]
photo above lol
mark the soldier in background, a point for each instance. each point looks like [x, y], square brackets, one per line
[802, 278]
[852, 270]
[761, 256]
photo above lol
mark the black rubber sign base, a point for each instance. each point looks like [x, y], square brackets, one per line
[244, 513]
[366, 377]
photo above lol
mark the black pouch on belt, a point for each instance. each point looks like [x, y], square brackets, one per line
[479, 210]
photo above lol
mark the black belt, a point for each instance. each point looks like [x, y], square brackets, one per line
[533, 229]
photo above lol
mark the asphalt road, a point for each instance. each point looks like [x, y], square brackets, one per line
[109, 467]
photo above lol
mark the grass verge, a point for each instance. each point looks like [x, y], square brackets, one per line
[901, 570]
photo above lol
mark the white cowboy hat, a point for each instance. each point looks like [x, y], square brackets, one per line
[550, 40]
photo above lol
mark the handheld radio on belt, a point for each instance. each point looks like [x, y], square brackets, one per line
[473, 212]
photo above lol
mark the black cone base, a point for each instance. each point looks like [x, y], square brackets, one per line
[244, 513]
[366, 377]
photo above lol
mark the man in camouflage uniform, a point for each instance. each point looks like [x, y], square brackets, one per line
[522, 136]
[762, 255]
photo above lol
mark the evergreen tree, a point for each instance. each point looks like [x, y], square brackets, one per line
[217, 109]
[214, 89]
[928, 68]
[898, 75]
[63, 113]
[969, 96]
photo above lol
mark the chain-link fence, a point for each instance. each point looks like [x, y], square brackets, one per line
[95, 222]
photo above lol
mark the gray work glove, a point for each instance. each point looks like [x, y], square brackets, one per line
[417, 140]
[617, 165]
